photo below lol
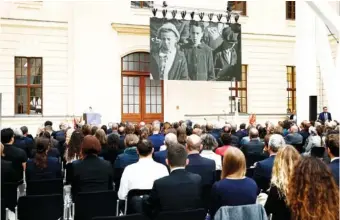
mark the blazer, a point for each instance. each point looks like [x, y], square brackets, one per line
[263, 172]
[8, 173]
[52, 171]
[160, 156]
[204, 167]
[322, 116]
[91, 174]
[200, 62]
[253, 151]
[224, 71]
[25, 144]
[180, 190]
[157, 141]
[334, 166]
[178, 70]
[129, 156]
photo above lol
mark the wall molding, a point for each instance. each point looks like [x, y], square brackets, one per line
[131, 29]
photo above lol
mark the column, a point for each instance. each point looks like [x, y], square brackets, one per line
[305, 56]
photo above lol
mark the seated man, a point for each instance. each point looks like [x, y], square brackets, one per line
[142, 174]
[160, 156]
[253, 150]
[198, 164]
[294, 137]
[263, 169]
[156, 138]
[180, 190]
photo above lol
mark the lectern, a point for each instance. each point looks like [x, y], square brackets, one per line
[92, 118]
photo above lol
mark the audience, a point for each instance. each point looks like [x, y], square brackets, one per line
[181, 190]
[91, 173]
[134, 175]
[263, 169]
[209, 143]
[11, 153]
[43, 167]
[234, 188]
[283, 167]
[332, 144]
[313, 193]
[198, 164]
[226, 141]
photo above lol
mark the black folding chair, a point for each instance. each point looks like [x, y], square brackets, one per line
[44, 187]
[10, 195]
[69, 173]
[317, 152]
[299, 148]
[95, 204]
[125, 217]
[250, 172]
[206, 196]
[196, 214]
[42, 207]
[4, 210]
[218, 175]
[129, 205]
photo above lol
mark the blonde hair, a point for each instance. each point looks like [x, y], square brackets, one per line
[131, 140]
[234, 162]
[101, 136]
[68, 135]
[283, 167]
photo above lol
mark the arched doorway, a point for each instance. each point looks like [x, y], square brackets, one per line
[142, 98]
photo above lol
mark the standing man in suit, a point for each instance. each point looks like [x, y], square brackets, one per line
[325, 115]
[198, 55]
[180, 190]
[332, 144]
[198, 164]
[168, 62]
[263, 169]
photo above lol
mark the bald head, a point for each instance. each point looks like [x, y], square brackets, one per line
[294, 129]
[197, 131]
[194, 142]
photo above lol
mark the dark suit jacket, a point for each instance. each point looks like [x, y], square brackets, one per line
[178, 70]
[180, 190]
[92, 174]
[334, 166]
[25, 144]
[253, 151]
[263, 172]
[200, 62]
[160, 156]
[52, 171]
[322, 116]
[8, 173]
[157, 141]
[225, 71]
[204, 167]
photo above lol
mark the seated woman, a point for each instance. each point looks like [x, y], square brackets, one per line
[209, 143]
[283, 167]
[43, 167]
[72, 152]
[91, 173]
[234, 188]
[130, 154]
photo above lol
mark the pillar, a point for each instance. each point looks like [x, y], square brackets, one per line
[305, 57]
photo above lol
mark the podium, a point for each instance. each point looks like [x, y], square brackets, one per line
[92, 118]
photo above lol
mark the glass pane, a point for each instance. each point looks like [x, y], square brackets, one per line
[136, 90]
[141, 67]
[136, 100]
[125, 109]
[131, 88]
[125, 90]
[35, 101]
[153, 99]
[148, 109]
[125, 80]
[131, 109]
[136, 108]
[159, 109]
[125, 99]
[148, 99]
[147, 81]
[159, 91]
[159, 99]
[153, 90]
[136, 57]
[35, 77]
[147, 90]
[125, 66]
[21, 79]
[136, 81]
[131, 99]
[131, 80]
[21, 101]
[17, 62]
[153, 109]
[146, 67]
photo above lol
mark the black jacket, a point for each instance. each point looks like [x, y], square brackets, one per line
[181, 190]
[91, 174]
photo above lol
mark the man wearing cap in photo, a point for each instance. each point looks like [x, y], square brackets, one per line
[198, 55]
[225, 56]
[168, 63]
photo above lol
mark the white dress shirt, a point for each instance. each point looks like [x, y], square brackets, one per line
[166, 60]
[140, 175]
[209, 154]
[335, 158]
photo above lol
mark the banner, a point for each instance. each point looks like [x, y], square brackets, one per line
[195, 50]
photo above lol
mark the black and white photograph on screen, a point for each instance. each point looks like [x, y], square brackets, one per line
[195, 50]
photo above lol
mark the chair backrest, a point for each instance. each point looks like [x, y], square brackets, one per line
[69, 173]
[218, 175]
[124, 217]
[44, 187]
[197, 214]
[95, 204]
[42, 207]
[117, 175]
[132, 193]
[10, 194]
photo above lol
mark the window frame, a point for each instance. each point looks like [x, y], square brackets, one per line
[291, 89]
[243, 8]
[290, 10]
[238, 88]
[28, 85]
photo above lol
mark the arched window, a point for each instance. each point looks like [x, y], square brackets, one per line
[142, 98]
